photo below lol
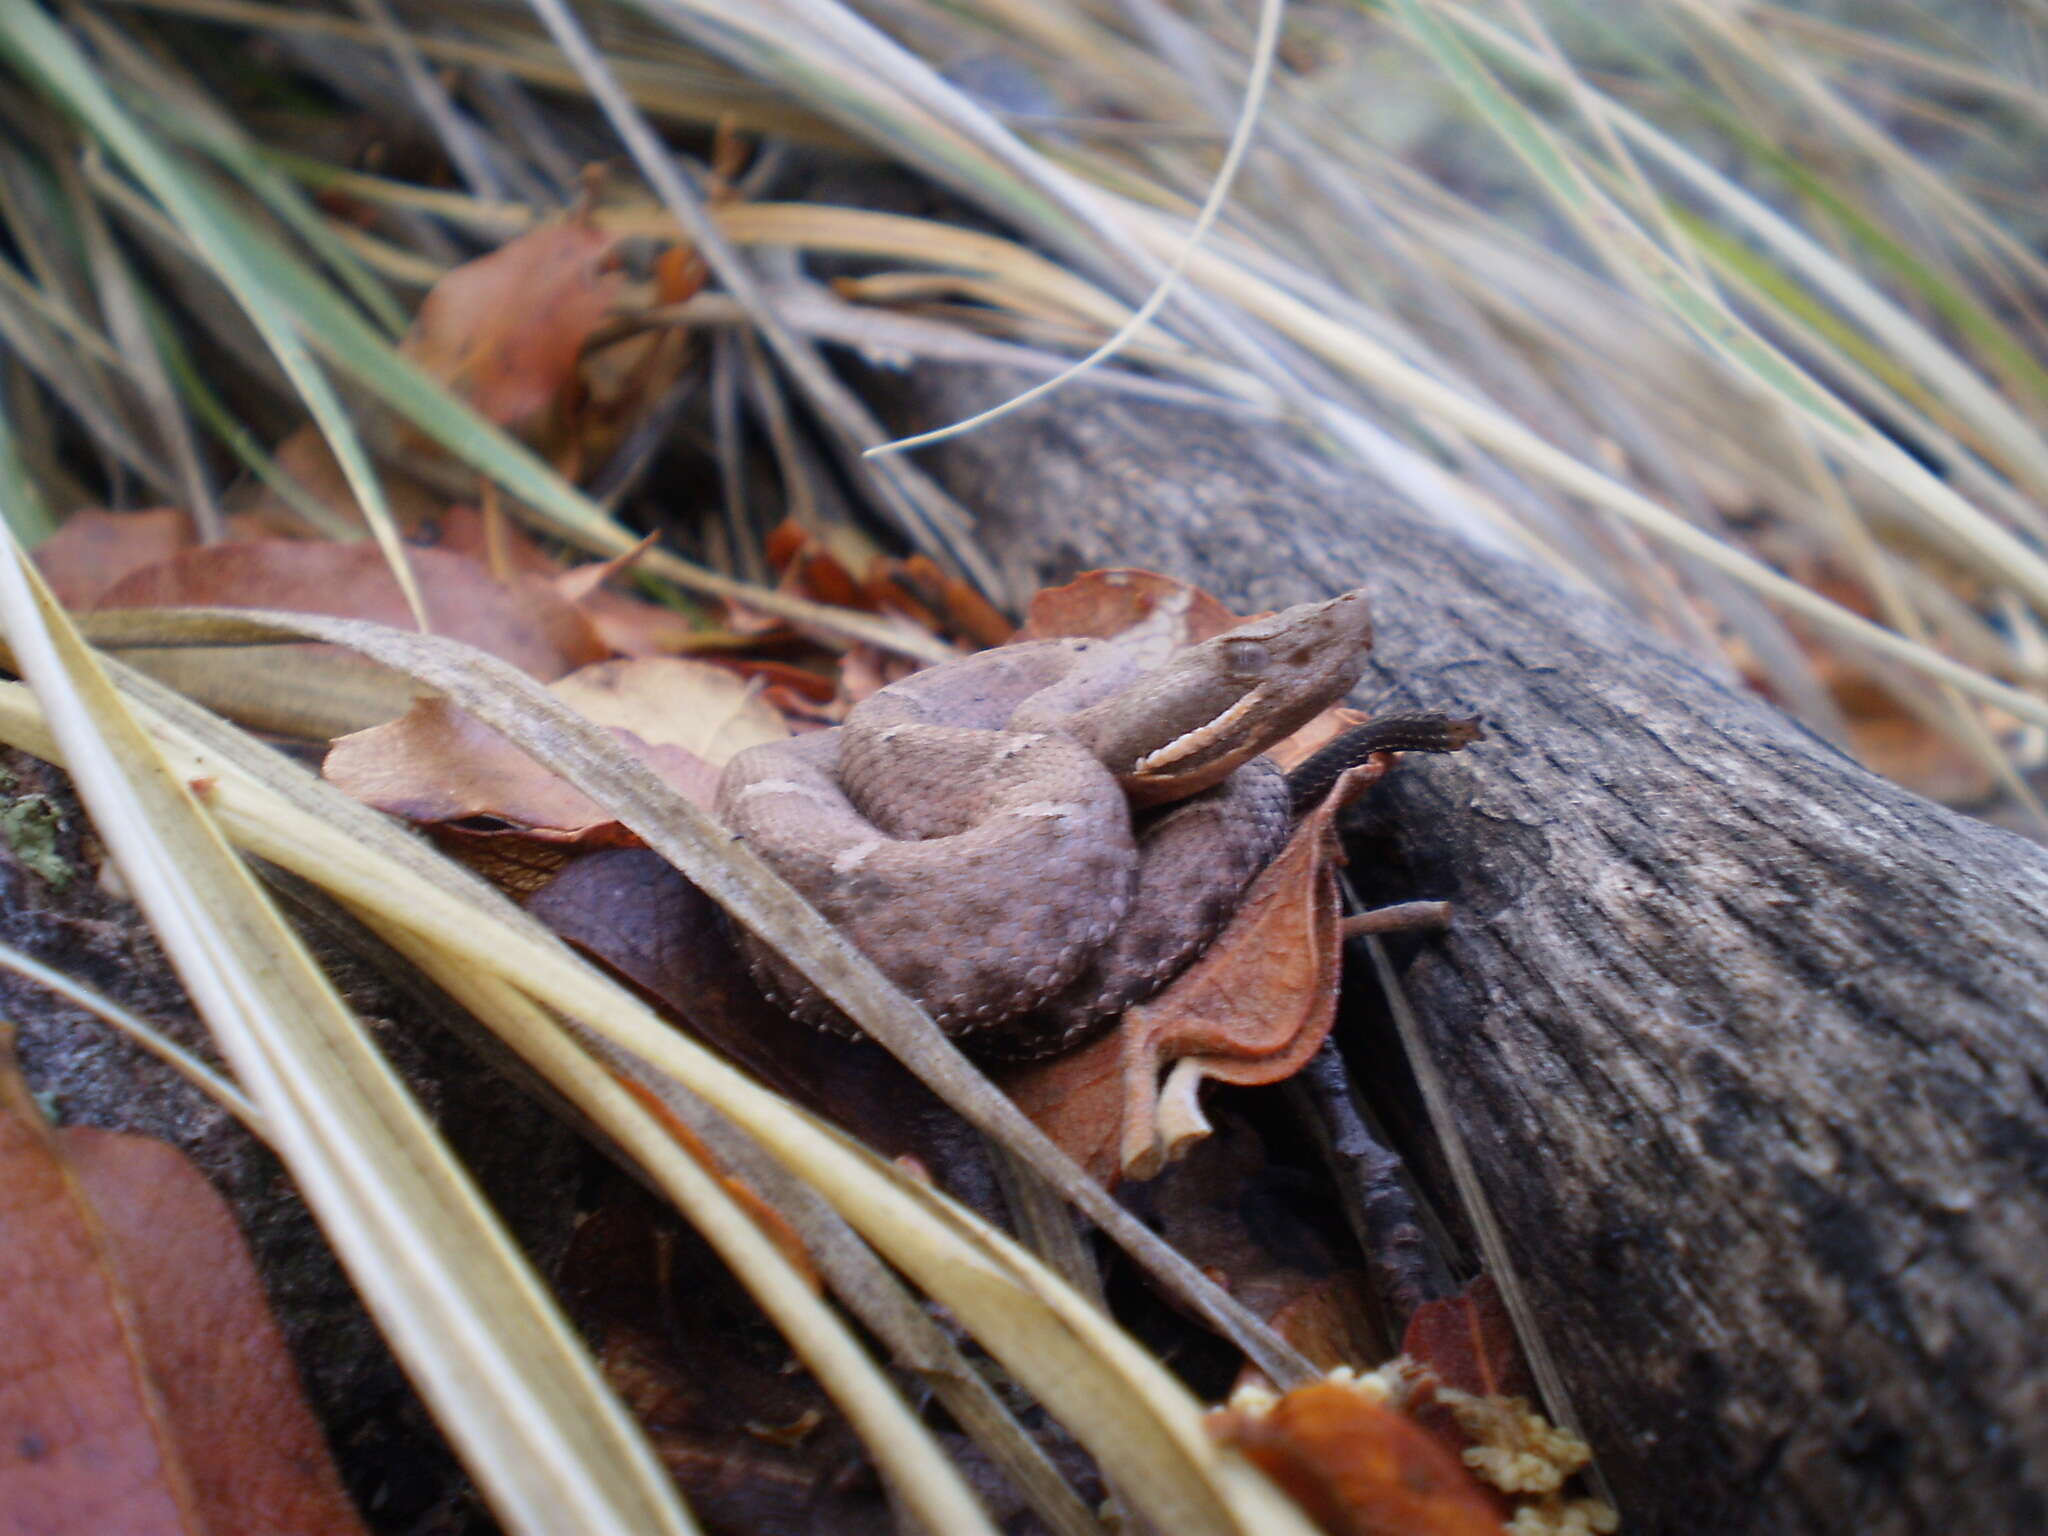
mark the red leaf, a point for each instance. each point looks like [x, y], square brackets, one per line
[143, 1384]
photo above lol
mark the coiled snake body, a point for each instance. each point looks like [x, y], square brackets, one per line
[1032, 838]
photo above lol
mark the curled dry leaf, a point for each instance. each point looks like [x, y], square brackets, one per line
[1252, 1009]
[143, 1383]
[437, 764]
[523, 620]
[1257, 1003]
[1356, 1464]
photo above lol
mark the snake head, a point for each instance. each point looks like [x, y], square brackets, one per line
[1192, 721]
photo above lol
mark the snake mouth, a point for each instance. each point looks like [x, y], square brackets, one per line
[1191, 748]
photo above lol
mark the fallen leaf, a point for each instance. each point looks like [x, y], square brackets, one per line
[631, 626]
[798, 683]
[523, 621]
[1255, 1005]
[501, 543]
[144, 1385]
[1101, 604]
[1468, 1385]
[674, 701]
[507, 330]
[1268, 1233]
[1076, 1098]
[439, 766]
[627, 625]
[918, 586]
[1357, 1466]
[821, 566]
[95, 549]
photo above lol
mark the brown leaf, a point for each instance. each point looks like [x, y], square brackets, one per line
[1270, 1236]
[807, 566]
[524, 621]
[917, 586]
[95, 549]
[631, 626]
[1100, 604]
[674, 701]
[627, 625]
[507, 330]
[1255, 1005]
[1357, 1466]
[500, 542]
[143, 1383]
[438, 764]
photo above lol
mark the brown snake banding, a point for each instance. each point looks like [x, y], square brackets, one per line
[1034, 837]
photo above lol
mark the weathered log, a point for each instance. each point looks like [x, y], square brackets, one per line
[1750, 1045]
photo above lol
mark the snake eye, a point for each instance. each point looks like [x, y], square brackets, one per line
[1246, 658]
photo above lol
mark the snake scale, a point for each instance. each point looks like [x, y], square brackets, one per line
[1032, 838]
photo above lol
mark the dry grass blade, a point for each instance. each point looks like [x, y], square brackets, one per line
[926, 515]
[548, 1443]
[1137, 1420]
[905, 1451]
[1263, 49]
[738, 880]
[49, 57]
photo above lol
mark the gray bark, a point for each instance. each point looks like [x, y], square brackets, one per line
[1748, 1043]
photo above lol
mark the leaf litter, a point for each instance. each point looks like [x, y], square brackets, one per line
[683, 688]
